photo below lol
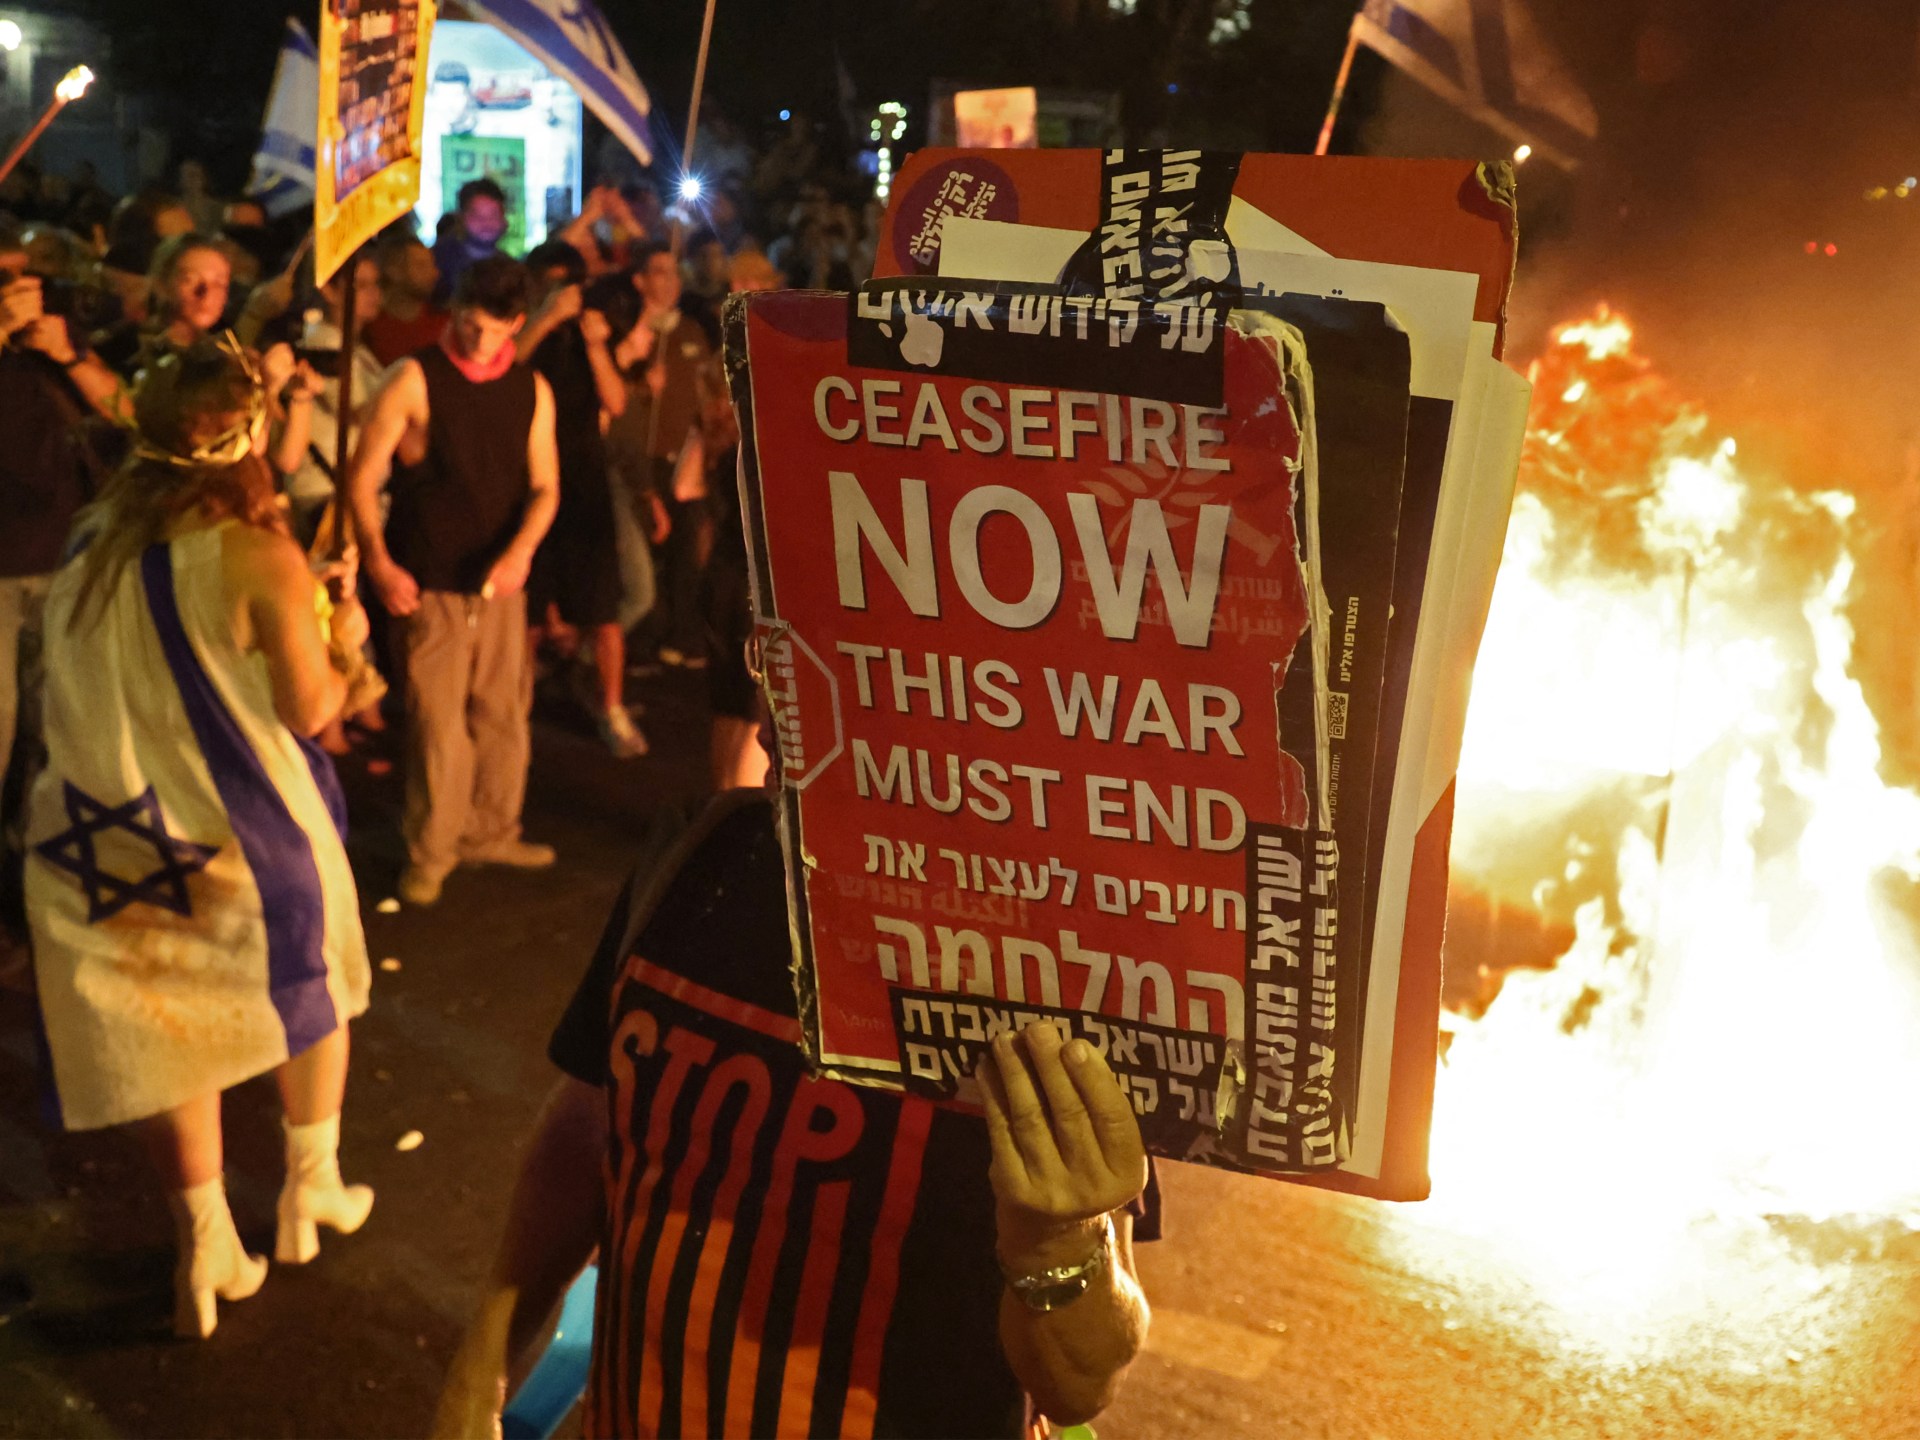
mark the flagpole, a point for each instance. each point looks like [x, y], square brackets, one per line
[693, 117]
[343, 404]
[686, 169]
[1339, 86]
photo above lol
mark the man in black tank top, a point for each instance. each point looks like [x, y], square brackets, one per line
[468, 435]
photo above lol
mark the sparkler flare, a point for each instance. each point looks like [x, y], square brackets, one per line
[71, 87]
[73, 84]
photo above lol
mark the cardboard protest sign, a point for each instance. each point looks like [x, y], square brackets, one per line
[1434, 241]
[372, 103]
[1434, 214]
[1047, 663]
[1361, 366]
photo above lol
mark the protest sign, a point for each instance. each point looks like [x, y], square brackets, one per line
[1434, 241]
[372, 102]
[1046, 659]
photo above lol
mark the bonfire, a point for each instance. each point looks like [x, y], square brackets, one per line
[1684, 1028]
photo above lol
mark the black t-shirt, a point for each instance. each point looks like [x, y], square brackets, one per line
[562, 358]
[783, 1254]
[457, 510]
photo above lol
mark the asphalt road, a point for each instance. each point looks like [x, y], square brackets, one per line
[1278, 1311]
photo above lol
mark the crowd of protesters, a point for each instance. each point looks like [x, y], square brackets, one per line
[538, 477]
[643, 566]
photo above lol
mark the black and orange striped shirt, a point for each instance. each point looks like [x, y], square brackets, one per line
[783, 1255]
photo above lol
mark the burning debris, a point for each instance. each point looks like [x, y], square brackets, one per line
[1677, 978]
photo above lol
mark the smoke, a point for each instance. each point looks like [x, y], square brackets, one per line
[1734, 134]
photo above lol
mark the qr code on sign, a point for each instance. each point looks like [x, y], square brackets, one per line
[1337, 714]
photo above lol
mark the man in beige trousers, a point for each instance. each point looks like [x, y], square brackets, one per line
[469, 435]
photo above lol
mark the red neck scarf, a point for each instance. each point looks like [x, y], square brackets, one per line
[471, 368]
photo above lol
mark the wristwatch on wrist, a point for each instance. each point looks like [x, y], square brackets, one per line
[1045, 1290]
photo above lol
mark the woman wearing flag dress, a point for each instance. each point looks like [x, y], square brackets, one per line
[194, 920]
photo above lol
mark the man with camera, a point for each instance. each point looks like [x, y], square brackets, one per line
[47, 472]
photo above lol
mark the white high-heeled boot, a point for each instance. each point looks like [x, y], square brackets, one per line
[212, 1259]
[314, 1195]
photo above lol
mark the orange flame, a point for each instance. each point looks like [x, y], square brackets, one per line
[1668, 752]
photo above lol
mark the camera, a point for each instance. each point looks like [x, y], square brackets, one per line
[85, 308]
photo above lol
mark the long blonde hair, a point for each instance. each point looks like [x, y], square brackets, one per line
[196, 414]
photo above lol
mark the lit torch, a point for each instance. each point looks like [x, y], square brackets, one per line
[71, 87]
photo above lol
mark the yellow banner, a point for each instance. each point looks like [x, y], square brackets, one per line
[373, 98]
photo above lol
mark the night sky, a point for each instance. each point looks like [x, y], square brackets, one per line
[1733, 133]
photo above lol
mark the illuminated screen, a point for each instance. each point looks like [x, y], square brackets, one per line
[997, 119]
[493, 109]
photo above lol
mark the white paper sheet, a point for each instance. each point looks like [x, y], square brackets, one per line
[1452, 359]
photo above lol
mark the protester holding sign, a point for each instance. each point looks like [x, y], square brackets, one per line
[868, 1263]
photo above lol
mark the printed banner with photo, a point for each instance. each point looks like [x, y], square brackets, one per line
[372, 102]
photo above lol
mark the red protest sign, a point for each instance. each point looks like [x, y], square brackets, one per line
[1040, 666]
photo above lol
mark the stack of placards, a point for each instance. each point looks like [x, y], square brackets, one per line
[1119, 563]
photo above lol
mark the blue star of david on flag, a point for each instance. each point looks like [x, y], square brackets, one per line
[73, 850]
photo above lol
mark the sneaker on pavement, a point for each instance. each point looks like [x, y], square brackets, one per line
[518, 854]
[623, 737]
[421, 887]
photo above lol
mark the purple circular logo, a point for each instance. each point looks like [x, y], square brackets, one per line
[967, 186]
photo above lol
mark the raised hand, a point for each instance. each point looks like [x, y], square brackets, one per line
[1066, 1146]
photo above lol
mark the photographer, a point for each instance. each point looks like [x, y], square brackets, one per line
[47, 472]
[29, 326]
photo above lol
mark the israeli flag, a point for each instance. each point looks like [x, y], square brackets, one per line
[572, 38]
[282, 179]
[1489, 58]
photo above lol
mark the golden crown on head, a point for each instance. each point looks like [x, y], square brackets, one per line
[232, 444]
